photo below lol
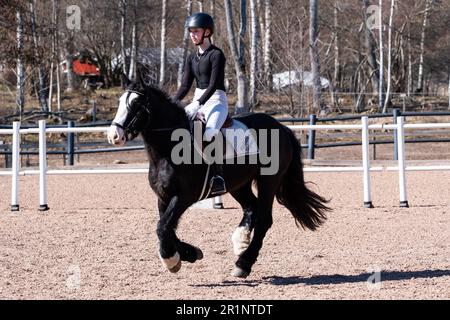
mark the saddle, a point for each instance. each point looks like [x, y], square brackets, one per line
[201, 118]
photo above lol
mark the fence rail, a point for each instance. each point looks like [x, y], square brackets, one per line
[399, 127]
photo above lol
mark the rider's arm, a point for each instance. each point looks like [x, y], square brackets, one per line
[217, 72]
[186, 82]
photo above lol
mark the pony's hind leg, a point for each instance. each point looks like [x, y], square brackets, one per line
[263, 222]
[241, 236]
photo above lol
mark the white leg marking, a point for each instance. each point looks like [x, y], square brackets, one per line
[241, 239]
[172, 261]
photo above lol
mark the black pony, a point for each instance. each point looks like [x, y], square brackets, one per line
[148, 111]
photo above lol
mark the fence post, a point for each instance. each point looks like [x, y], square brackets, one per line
[401, 162]
[70, 144]
[366, 161]
[395, 114]
[42, 167]
[311, 136]
[15, 167]
[94, 111]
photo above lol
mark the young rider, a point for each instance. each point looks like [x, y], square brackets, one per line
[207, 66]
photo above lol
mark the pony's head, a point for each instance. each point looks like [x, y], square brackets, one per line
[139, 109]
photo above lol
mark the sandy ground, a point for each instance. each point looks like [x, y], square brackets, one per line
[98, 241]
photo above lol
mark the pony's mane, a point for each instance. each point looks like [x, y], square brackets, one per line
[161, 95]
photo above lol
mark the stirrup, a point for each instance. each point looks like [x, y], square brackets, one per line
[216, 180]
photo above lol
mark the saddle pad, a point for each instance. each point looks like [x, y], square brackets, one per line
[239, 140]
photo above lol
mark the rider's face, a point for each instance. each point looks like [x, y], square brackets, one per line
[196, 34]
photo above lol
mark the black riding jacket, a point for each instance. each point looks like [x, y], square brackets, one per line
[208, 70]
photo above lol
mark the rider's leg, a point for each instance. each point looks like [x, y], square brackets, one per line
[214, 121]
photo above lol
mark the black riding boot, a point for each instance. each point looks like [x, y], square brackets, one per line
[217, 181]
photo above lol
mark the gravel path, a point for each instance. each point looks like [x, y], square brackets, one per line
[98, 241]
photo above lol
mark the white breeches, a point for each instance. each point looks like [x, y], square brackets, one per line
[215, 111]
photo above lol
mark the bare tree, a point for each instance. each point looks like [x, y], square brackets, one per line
[242, 105]
[314, 54]
[134, 43]
[185, 44]
[268, 43]
[381, 44]
[253, 52]
[428, 5]
[37, 58]
[200, 5]
[123, 18]
[389, 70]
[371, 55]
[162, 73]
[54, 58]
[20, 101]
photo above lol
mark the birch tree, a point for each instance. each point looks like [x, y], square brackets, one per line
[381, 44]
[123, 18]
[242, 104]
[314, 54]
[134, 43]
[389, 70]
[428, 4]
[185, 44]
[371, 55]
[37, 58]
[162, 73]
[253, 52]
[268, 43]
[54, 59]
[20, 100]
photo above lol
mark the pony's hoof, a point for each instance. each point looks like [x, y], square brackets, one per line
[239, 273]
[199, 253]
[176, 268]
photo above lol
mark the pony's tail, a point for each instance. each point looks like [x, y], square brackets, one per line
[308, 208]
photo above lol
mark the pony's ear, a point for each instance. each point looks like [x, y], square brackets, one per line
[126, 82]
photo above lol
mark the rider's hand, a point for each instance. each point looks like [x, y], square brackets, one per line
[192, 108]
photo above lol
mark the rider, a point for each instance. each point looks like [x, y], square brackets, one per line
[207, 66]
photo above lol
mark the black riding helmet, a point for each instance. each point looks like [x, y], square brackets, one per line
[200, 20]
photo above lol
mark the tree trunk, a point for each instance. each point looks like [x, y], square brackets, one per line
[123, 18]
[381, 67]
[162, 70]
[185, 45]
[200, 5]
[389, 70]
[212, 8]
[41, 73]
[20, 100]
[422, 45]
[314, 54]
[337, 51]
[371, 55]
[337, 67]
[134, 44]
[448, 91]
[268, 44]
[242, 105]
[410, 78]
[242, 30]
[69, 61]
[253, 53]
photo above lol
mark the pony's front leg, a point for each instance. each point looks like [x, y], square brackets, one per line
[186, 251]
[168, 240]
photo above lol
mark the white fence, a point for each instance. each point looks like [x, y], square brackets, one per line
[43, 171]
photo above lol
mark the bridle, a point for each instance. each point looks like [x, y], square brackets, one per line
[130, 126]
